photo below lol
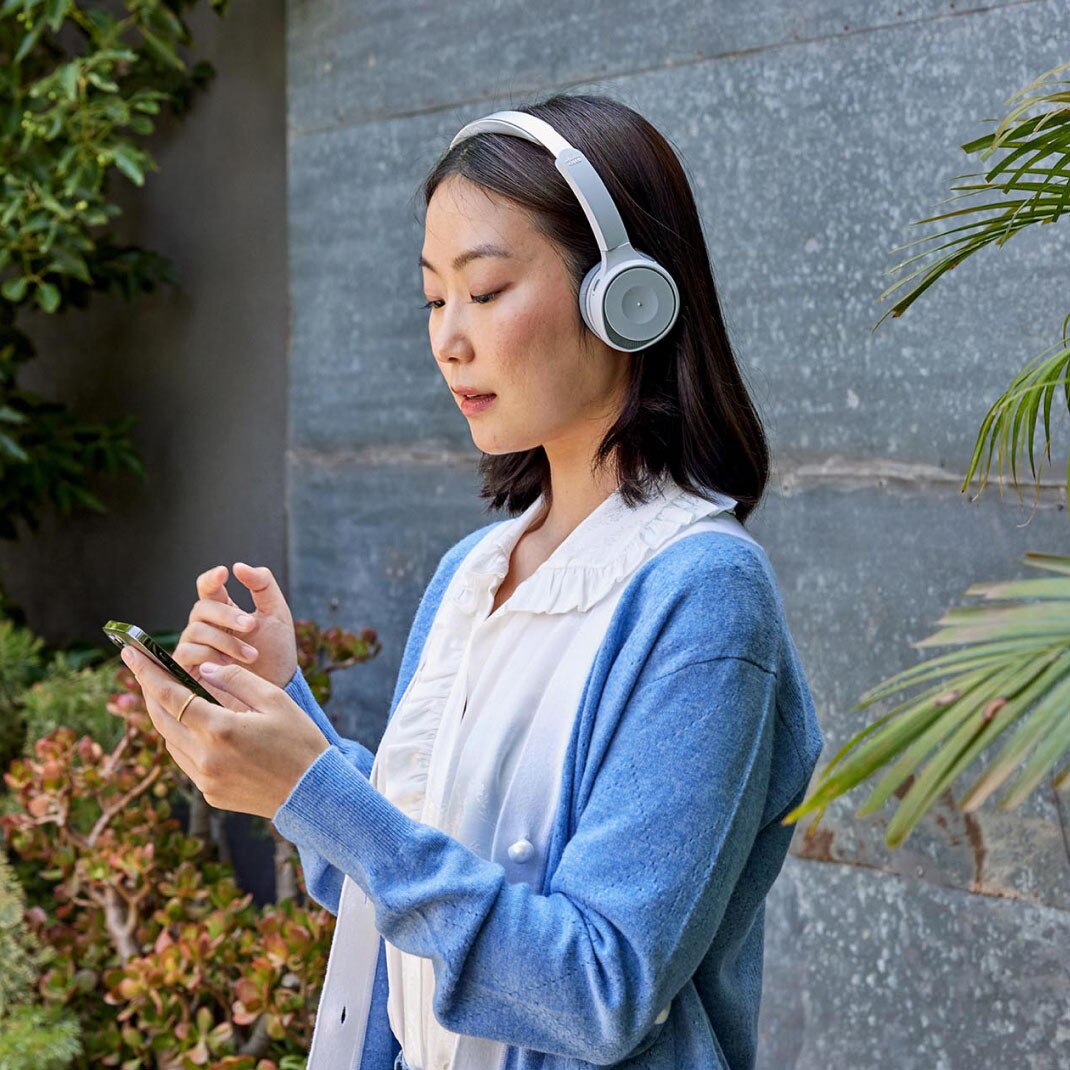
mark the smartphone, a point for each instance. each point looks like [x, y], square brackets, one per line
[131, 635]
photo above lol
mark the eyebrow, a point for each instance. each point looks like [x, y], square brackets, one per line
[486, 249]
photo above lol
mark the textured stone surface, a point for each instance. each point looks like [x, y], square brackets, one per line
[853, 625]
[365, 541]
[808, 161]
[813, 135]
[350, 65]
[867, 970]
[866, 573]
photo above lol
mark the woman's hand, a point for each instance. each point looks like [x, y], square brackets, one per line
[244, 757]
[220, 630]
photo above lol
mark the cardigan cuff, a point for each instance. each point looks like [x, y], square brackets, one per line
[301, 693]
[332, 805]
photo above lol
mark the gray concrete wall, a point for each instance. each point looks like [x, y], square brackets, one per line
[814, 133]
[202, 366]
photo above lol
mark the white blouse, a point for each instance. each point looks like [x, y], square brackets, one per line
[476, 744]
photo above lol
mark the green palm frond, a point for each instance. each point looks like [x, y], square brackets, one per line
[1010, 425]
[1013, 673]
[1029, 184]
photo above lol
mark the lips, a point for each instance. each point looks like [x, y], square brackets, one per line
[471, 392]
[472, 406]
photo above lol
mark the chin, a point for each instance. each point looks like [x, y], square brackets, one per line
[495, 447]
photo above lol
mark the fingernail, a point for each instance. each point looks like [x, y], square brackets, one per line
[249, 652]
[209, 667]
[243, 621]
[127, 655]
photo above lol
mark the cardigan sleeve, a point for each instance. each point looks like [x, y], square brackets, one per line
[301, 693]
[322, 878]
[669, 821]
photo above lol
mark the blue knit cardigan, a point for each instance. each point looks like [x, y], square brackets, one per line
[696, 732]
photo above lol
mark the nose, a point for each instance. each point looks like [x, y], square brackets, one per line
[449, 337]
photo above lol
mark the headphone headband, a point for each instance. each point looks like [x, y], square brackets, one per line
[575, 168]
[627, 299]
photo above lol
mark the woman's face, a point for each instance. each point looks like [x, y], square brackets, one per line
[503, 320]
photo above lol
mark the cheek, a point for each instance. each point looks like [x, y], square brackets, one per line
[539, 333]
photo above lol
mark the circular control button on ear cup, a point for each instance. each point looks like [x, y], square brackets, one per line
[640, 304]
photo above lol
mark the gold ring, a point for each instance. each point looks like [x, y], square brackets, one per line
[192, 696]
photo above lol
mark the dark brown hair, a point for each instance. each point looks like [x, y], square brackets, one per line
[687, 412]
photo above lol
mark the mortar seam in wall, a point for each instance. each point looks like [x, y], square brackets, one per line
[793, 472]
[1010, 896]
[294, 132]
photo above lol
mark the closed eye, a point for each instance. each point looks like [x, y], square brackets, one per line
[479, 299]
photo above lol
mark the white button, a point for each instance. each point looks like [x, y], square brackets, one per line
[664, 1014]
[521, 851]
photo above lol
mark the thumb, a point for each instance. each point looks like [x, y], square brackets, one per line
[267, 594]
[236, 680]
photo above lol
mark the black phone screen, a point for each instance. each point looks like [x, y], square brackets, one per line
[122, 634]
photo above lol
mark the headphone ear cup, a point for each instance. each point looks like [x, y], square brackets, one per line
[640, 304]
[635, 308]
[590, 305]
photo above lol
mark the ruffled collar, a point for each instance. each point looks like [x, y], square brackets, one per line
[605, 548]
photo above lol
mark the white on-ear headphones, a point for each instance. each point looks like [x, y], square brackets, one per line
[627, 299]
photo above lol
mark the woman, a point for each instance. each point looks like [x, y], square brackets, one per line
[559, 855]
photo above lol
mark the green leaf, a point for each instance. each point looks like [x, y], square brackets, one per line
[1013, 416]
[162, 49]
[28, 42]
[126, 163]
[101, 82]
[1045, 714]
[1051, 748]
[1037, 147]
[11, 449]
[68, 79]
[1014, 670]
[48, 296]
[56, 12]
[15, 289]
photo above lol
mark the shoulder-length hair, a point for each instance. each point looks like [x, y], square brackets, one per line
[687, 412]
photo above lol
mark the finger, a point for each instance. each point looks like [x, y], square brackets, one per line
[223, 616]
[164, 699]
[213, 584]
[210, 636]
[267, 594]
[191, 655]
[254, 692]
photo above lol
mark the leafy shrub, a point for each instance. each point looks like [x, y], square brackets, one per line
[74, 698]
[81, 86]
[322, 651]
[159, 954]
[20, 666]
[39, 693]
[143, 940]
[32, 1037]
